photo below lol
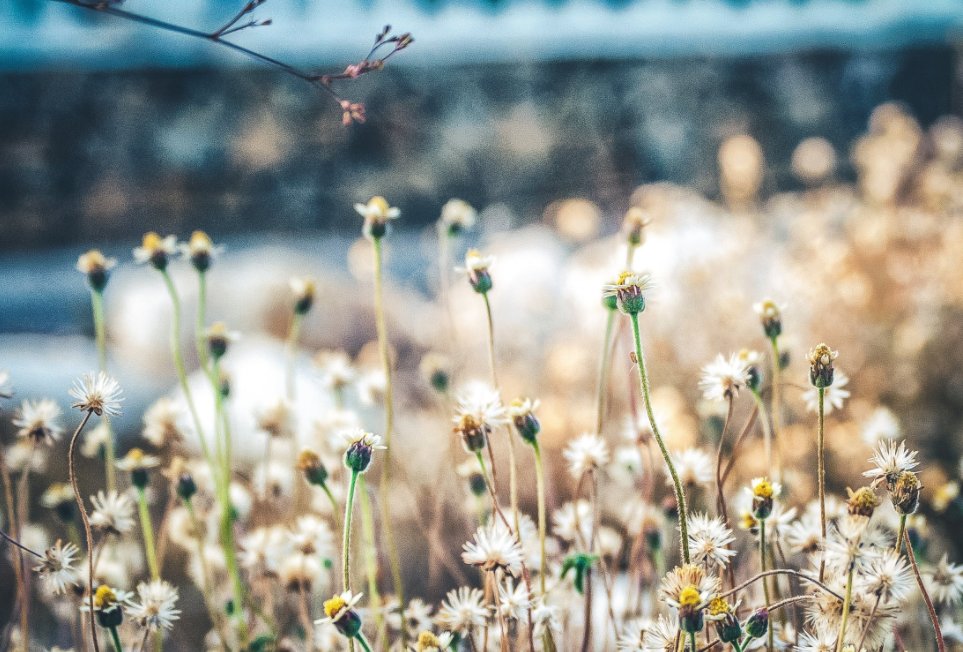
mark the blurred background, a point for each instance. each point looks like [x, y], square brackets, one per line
[807, 150]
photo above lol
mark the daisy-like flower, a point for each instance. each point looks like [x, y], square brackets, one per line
[708, 538]
[805, 534]
[494, 548]
[688, 589]
[376, 213]
[457, 216]
[137, 463]
[834, 395]
[629, 291]
[572, 521]
[661, 636]
[56, 567]
[479, 411]
[200, 250]
[694, 468]
[97, 393]
[162, 423]
[299, 572]
[303, 289]
[155, 250]
[429, 642]
[513, 603]
[763, 492]
[477, 267]
[361, 444]
[770, 315]
[888, 576]
[944, 582]
[522, 413]
[820, 639]
[96, 267]
[844, 548]
[416, 616]
[462, 610]
[154, 609]
[335, 369]
[588, 452]
[882, 424]
[113, 512]
[38, 421]
[724, 377]
[890, 460]
[219, 338]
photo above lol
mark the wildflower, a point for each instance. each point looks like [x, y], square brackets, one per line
[201, 251]
[436, 371]
[844, 549]
[522, 413]
[881, 425]
[299, 571]
[276, 419]
[723, 378]
[219, 338]
[757, 624]
[833, 396]
[479, 411]
[96, 268]
[38, 421]
[770, 314]
[513, 603]
[462, 610]
[477, 268]
[494, 548]
[97, 393]
[335, 369]
[428, 642]
[633, 225]
[545, 619]
[822, 639]
[108, 605]
[906, 493]
[358, 456]
[155, 608]
[376, 213]
[162, 423]
[60, 498]
[137, 463]
[694, 467]
[662, 636]
[303, 289]
[155, 250]
[944, 582]
[629, 291]
[723, 615]
[56, 567]
[352, 112]
[890, 460]
[708, 538]
[416, 616]
[689, 590]
[113, 512]
[752, 361]
[310, 464]
[888, 576]
[573, 521]
[805, 534]
[821, 368]
[457, 216]
[586, 453]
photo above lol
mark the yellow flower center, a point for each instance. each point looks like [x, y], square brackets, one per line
[718, 606]
[762, 489]
[152, 241]
[379, 204]
[135, 455]
[748, 521]
[623, 276]
[334, 606]
[689, 597]
[427, 640]
[200, 241]
[308, 459]
[104, 597]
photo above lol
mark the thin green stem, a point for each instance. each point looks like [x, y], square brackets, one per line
[899, 536]
[116, 639]
[604, 371]
[677, 485]
[100, 331]
[72, 472]
[776, 397]
[147, 529]
[362, 642]
[292, 346]
[766, 433]
[692, 642]
[765, 580]
[201, 324]
[334, 504]
[370, 558]
[821, 473]
[911, 554]
[382, 328]
[346, 536]
[847, 600]
[540, 488]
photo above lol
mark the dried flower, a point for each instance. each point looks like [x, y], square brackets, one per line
[833, 396]
[586, 453]
[708, 538]
[162, 423]
[723, 378]
[944, 582]
[38, 421]
[862, 502]
[494, 548]
[821, 369]
[463, 610]
[97, 393]
[906, 493]
[96, 267]
[155, 608]
[113, 512]
[890, 460]
[56, 568]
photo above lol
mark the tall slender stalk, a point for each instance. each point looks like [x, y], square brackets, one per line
[291, 346]
[72, 472]
[765, 580]
[346, 535]
[911, 554]
[899, 535]
[382, 328]
[370, 550]
[677, 485]
[13, 518]
[821, 473]
[147, 528]
[847, 601]
[604, 370]
[116, 640]
[201, 324]
[100, 331]
[776, 400]
[540, 488]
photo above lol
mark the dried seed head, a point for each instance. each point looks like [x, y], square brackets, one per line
[821, 368]
[906, 492]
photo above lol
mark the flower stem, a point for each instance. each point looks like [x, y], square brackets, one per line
[604, 370]
[292, 345]
[765, 580]
[692, 642]
[382, 328]
[100, 331]
[334, 503]
[899, 536]
[940, 644]
[821, 473]
[540, 488]
[776, 399]
[370, 558]
[346, 537]
[147, 529]
[116, 640]
[362, 642]
[72, 471]
[679, 491]
[14, 520]
[847, 601]
[201, 323]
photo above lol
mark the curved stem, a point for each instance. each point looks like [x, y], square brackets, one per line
[100, 332]
[940, 644]
[780, 571]
[147, 528]
[72, 471]
[679, 491]
[116, 640]
[869, 621]
[847, 601]
[899, 536]
[540, 488]
[370, 558]
[821, 473]
[604, 370]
